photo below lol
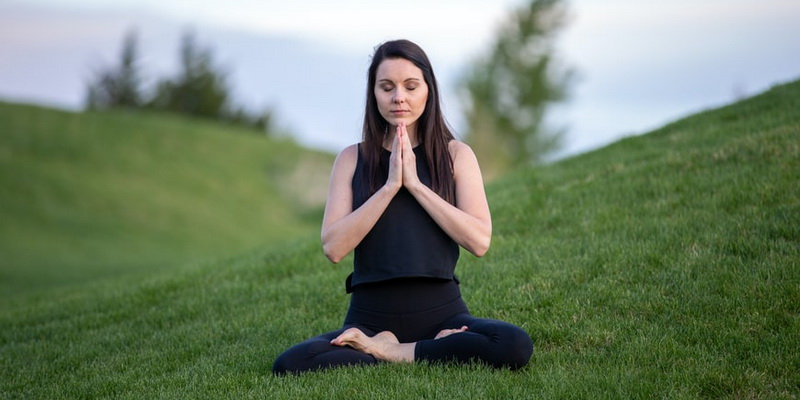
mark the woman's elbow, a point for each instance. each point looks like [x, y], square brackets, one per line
[333, 259]
[481, 251]
[480, 247]
[483, 241]
[331, 255]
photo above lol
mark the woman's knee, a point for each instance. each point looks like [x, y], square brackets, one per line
[511, 347]
[299, 357]
[282, 364]
[317, 354]
[518, 348]
[288, 362]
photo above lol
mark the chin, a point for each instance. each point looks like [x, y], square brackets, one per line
[398, 121]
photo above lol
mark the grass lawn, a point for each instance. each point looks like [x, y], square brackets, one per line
[662, 266]
[94, 195]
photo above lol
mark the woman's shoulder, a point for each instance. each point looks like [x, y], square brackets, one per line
[458, 149]
[465, 162]
[349, 153]
[456, 144]
[347, 159]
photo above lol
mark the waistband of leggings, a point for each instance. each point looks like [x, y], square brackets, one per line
[405, 295]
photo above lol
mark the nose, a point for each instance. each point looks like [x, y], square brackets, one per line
[399, 97]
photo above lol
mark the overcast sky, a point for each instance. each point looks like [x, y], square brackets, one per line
[640, 63]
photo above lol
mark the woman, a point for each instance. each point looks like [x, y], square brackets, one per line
[404, 200]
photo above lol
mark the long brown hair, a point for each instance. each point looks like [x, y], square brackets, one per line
[432, 130]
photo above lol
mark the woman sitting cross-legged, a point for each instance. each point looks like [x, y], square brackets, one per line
[404, 200]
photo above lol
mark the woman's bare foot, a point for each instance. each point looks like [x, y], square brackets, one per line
[383, 346]
[448, 332]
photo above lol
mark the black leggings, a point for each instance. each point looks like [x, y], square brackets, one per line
[415, 311]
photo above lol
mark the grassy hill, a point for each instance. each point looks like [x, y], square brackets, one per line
[663, 266]
[88, 195]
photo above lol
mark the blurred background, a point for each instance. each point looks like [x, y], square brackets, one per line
[110, 164]
[637, 64]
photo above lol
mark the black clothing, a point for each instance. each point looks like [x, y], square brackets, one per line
[415, 310]
[405, 241]
[403, 282]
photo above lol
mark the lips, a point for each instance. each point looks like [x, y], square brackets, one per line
[399, 112]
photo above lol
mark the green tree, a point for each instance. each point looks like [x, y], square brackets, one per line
[510, 89]
[118, 86]
[199, 89]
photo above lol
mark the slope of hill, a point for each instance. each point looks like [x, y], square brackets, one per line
[662, 266]
[99, 194]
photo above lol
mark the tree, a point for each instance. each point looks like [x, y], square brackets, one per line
[118, 86]
[198, 90]
[511, 88]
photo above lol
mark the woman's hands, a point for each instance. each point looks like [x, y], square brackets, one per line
[395, 179]
[403, 161]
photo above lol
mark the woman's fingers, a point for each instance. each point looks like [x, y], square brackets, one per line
[397, 142]
[403, 133]
[396, 164]
[410, 177]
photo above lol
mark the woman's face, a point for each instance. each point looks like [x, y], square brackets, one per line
[400, 91]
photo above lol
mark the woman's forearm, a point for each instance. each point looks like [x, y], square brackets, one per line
[470, 232]
[342, 236]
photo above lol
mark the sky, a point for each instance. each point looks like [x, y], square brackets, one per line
[639, 63]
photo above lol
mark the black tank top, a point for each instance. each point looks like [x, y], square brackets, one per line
[405, 241]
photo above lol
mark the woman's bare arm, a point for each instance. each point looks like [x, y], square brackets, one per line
[342, 227]
[469, 222]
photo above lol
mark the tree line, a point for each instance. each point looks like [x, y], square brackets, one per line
[508, 91]
[198, 89]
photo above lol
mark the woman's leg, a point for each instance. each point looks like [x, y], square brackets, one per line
[418, 311]
[497, 343]
[318, 353]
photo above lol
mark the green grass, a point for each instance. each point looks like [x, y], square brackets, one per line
[662, 266]
[88, 195]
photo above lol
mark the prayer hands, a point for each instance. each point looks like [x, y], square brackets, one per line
[395, 179]
[403, 161]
